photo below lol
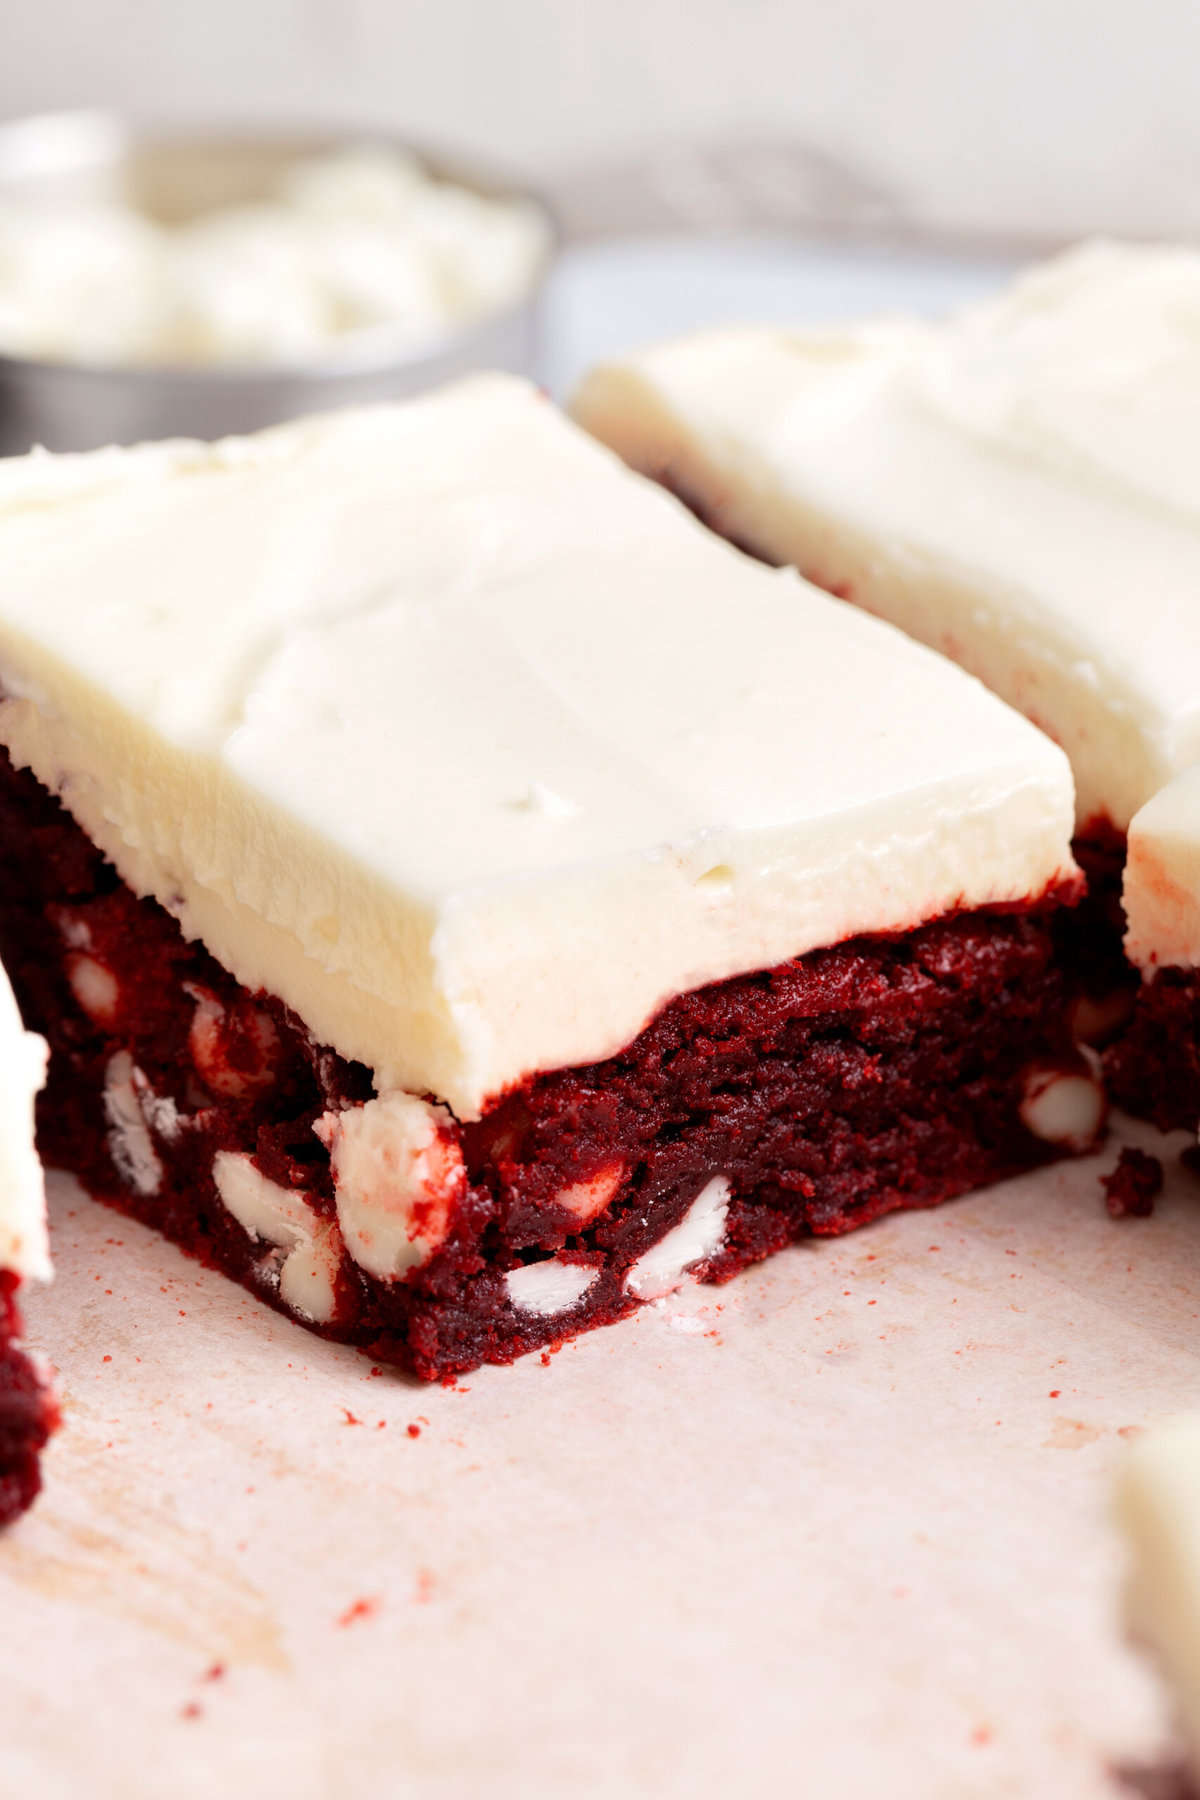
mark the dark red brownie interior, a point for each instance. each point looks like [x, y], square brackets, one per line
[27, 1411]
[1153, 1068]
[879, 1074]
[1089, 939]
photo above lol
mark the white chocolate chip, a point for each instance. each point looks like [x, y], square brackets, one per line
[1062, 1107]
[286, 1218]
[207, 1045]
[588, 1199]
[129, 1144]
[95, 987]
[75, 932]
[398, 1173]
[698, 1235]
[159, 1111]
[546, 1288]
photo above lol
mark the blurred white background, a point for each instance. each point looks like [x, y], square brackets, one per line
[1011, 116]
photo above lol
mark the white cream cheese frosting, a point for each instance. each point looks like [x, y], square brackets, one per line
[475, 748]
[1161, 895]
[24, 1249]
[358, 250]
[1019, 488]
[1158, 1510]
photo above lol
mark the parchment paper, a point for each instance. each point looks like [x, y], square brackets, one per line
[839, 1529]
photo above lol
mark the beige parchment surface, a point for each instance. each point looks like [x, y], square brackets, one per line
[838, 1529]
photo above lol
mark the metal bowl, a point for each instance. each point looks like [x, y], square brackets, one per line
[78, 157]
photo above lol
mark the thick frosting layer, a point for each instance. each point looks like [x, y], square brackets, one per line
[474, 747]
[1162, 879]
[24, 1248]
[1020, 488]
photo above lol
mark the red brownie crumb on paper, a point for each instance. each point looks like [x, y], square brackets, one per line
[1133, 1185]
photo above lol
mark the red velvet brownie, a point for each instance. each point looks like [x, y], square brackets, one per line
[463, 897]
[1016, 488]
[27, 1407]
[1153, 1068]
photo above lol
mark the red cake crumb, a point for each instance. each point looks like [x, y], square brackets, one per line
[1133, 1185]
[364, 1608]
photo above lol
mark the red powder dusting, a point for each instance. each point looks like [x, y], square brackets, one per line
[981, 1735]
[193, 1710]
[106, 1359]
[216, 1672]
[359, 1609]
[1054, 1393]
[1133, 1186]
[414, 1431]
[425, 1587]
[351, 1418]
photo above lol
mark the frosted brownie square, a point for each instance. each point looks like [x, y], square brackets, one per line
[28, 1411]
[1154, 1065]
[464, 897]
[1019, 488]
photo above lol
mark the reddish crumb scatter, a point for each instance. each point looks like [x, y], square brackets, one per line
[981, 1735]
[381, 1425]
[933, 1248]
[193, 1710]
[374, 1370]
[425, 1587]
[414, 1431]
[1133, 1186]
[351, 1418]
[215, 1672]
[106, 1359]
[1054, 1393]
[364, 1608]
